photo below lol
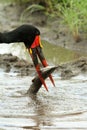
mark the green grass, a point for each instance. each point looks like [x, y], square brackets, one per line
[74, 14]
[56, 54]
[6, 1]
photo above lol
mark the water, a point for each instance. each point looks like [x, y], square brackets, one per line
[63, 107]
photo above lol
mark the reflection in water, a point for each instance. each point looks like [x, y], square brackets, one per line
[67, 102]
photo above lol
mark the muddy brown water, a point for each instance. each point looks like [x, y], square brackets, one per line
[63, 107]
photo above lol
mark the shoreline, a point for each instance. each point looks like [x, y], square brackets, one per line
[11, 63]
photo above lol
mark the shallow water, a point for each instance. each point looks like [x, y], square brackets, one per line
[63, 107]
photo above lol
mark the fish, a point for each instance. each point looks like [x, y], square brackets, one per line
[36, 82]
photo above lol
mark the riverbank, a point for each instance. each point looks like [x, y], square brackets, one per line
[52, 29]
[60, 42]
[10, 63]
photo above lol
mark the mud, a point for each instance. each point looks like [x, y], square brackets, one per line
[74, 68]
[11, 63]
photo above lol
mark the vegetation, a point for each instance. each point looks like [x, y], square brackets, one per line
[72, 12]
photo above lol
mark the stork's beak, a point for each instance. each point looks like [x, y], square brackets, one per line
[40, 76]
[44, 63]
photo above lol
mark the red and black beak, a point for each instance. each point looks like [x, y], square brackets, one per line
[40, 76]
[44, 63]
